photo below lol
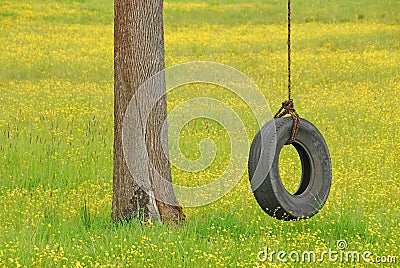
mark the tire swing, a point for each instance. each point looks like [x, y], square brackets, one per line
[263, 165]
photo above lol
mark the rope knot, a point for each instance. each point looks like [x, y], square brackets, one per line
[288, 108]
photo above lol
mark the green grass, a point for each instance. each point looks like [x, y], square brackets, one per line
[56, 131]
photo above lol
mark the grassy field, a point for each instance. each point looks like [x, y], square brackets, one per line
[56, 131]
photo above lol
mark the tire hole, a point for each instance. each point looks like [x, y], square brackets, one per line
[290, 169]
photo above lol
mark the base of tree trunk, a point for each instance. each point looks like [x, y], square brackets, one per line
[171, 214]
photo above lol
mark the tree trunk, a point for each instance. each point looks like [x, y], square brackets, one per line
[138, 55]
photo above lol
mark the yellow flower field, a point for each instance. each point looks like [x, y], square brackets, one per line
[56, 132]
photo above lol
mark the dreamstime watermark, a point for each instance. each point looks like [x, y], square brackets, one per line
[137, 117]
[339, 254]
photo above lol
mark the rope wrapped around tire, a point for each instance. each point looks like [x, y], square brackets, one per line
[263, 168]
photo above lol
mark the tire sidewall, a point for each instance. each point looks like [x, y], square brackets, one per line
[271, 193]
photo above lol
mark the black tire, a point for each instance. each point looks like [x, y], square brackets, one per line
[263, 167]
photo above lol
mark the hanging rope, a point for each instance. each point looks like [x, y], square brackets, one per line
[288, 105]
[288, 108]
[289, 50]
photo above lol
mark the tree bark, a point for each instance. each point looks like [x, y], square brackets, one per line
[138, 55]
